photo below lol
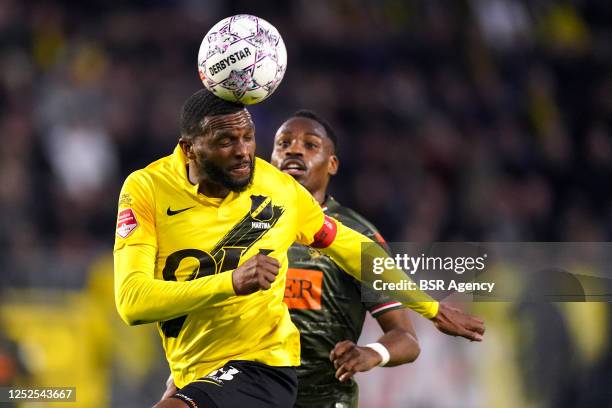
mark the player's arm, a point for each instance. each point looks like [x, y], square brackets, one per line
[140, 298]
[345, 250]
[343, 245]
[398, 345]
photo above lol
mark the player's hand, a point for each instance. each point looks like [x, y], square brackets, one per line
[349, 358]
[171, 389]
[455, 322]
[258, 272]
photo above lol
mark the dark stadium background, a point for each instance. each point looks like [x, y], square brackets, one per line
[480, 120]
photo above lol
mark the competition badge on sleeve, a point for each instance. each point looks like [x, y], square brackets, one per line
[126, 222]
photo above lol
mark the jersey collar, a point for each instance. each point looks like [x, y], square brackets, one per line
[330, 204]
[179, 163]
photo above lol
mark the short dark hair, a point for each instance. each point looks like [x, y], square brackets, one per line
[201, 104]
[308, 114]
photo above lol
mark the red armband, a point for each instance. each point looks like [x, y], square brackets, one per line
[379, 238]
[326, 234]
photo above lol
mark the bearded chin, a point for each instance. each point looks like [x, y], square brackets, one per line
[219, 176]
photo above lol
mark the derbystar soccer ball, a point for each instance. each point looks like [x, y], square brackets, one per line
[242, 59]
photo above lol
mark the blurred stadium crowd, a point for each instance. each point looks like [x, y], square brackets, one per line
[484, 120]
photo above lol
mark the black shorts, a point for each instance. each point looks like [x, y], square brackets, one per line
[242, 384]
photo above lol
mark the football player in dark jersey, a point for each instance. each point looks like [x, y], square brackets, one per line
[325, 303]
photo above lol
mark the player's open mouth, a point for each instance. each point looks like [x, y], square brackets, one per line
[242, 169]
[295, 167]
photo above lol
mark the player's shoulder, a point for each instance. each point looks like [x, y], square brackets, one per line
[268, 176]
[267, 170]
[140, 177]
[161, 167]
[350, 217]
[157, 169]
[148, 176]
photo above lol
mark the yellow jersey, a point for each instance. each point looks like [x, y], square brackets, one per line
[175, 250]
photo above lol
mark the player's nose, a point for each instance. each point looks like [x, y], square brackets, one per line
[241, 148]
[295, 149]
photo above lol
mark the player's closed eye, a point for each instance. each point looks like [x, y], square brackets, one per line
[224, 142]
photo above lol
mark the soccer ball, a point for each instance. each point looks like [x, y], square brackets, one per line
[242, 59]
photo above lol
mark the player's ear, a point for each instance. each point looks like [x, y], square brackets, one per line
[187, 147]
[332, 165]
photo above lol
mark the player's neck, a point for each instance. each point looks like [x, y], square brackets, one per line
[320, 191]
[319, 196]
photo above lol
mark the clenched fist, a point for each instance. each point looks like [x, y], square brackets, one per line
[256, 273]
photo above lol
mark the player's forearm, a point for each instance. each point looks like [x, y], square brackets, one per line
[345, 250]
[142, 299]
[403, 347]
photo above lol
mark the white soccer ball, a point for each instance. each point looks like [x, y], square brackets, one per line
[242, 59]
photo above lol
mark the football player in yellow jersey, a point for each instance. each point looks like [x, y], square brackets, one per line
[200, 249]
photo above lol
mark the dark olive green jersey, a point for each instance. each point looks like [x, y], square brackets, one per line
[326, 306]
